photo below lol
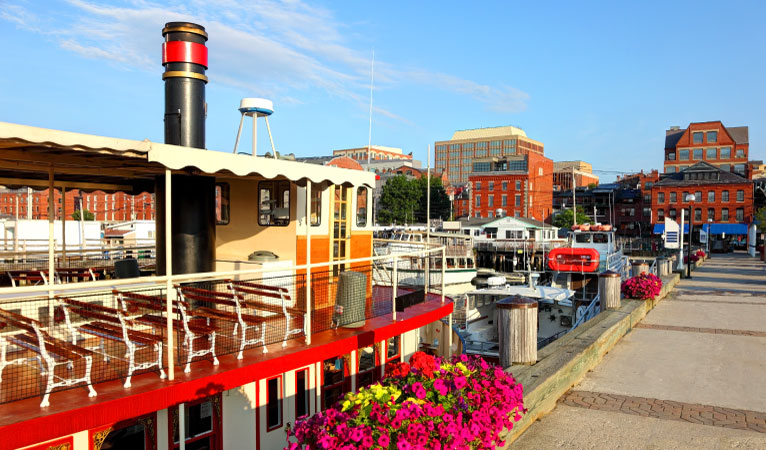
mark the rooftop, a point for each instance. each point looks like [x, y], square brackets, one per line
[701, 173]
[489, 132]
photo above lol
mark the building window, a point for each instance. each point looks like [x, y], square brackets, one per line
[697, 214]
[490, 214]
[672, 213]
[711, 153]
[698, 196]
[725, 152]
[660, 214]
[670, 169]
[202, 424]
[301, 393]
[481, 145]
[710, 214]
[697, 137]
[725, 215]
[316, 207]
[491, 201]
[361, 206]
[504, 200]
[660, 197]
[739, 153]
[491, 186]
[712, 136]
[647, 198]
[468, 146]
[739, 169]
[478, 201]
[646, 212]
[710, 196]
[725, 196]
[478, 185]
[685, 197]
[697, 155]
[683, 155]
[671, 156]
[335, 380]
[518, 185]
[274, 403]
[740, 215]
[725, 167]
[518, 200]
[740, 196]
[505, 185]
[274, 203]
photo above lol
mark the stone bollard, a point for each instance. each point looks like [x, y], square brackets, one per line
[517, 330]
[639, 268]
[609, 290]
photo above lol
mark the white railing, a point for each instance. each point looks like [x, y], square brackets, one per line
[590, 312]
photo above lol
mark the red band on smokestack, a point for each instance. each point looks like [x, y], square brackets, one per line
[184, 51]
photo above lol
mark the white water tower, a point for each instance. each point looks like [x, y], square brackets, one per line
[255, 108]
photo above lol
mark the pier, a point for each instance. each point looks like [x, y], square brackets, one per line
[689, 375]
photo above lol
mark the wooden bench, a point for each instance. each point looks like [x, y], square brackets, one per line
[192, 331]
[33, 276]
[242, 321]
[111, 323]
[51, 352]
[76, 274]
[253, 295]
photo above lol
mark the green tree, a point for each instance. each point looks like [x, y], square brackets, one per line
[440, 205]
[760, 217]
[88, 215]
[564, 218]
[399, 200]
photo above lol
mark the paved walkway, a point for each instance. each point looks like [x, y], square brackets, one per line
[691, 375]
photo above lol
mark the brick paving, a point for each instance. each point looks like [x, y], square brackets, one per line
[739, 419]
[652, 326]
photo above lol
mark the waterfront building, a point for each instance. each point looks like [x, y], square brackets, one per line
[377, 153]
[565, 171]
[724, 147]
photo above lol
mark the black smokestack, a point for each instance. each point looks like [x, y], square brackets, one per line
[184, 56]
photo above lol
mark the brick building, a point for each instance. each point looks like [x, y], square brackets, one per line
[565, 171]
[724, 147]
[118, 206]
[456, 155]
[721, 197]
[377, 152]
[519, 186]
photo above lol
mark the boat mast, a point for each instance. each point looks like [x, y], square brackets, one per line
[369, 134]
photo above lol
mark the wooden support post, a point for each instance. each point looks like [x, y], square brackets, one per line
[640, 268]
[517, 330]
[609, 290]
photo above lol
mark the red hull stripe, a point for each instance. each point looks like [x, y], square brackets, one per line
[123, 407]
[184, 51]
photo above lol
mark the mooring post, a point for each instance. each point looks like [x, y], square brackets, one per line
[517, 330]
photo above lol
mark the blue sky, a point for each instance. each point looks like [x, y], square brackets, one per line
[598, 81]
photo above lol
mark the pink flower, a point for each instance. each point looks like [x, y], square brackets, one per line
[384, 440]
[460, 382]
[440, 387]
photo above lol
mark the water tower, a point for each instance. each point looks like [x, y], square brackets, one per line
[255, 108]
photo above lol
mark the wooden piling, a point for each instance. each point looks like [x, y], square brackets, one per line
[517, 330]
[639, 268]
[609, 290]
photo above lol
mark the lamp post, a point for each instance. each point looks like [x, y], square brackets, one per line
[690, 198]
[709, 235]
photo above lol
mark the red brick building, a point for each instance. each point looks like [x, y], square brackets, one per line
[724, 147]
[720, 195]
[520, 186]
[565, 171]
[117, 206]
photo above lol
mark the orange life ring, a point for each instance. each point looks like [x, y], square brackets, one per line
[566, 259]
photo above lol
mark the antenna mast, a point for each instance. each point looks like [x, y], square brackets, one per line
[369, 135]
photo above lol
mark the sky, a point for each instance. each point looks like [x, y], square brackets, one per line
[596, 81]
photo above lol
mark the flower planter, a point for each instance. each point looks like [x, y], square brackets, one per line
[645, 286]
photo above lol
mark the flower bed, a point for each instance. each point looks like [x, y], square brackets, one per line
[700, 254]
[645, 286]
[429, 404]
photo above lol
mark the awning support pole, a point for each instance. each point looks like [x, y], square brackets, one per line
[307, 325]
[51, 242]
[169, 290]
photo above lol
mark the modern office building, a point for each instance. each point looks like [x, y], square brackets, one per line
[724, 147]
[457, 154]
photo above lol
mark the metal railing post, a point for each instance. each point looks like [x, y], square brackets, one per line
[169, 282]
[307, 324]
[396, 287]
[444, 272]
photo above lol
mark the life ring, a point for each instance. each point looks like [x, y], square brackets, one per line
[567, 259]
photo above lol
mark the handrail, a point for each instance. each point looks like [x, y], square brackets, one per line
[588, 313]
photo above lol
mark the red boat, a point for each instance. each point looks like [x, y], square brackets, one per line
[567, 259]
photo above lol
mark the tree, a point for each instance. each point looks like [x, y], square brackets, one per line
[88, 215]
[564, 218]
[760, 218]
[440, 204]
[399, 200]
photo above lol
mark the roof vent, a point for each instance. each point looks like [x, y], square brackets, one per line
[255, 108]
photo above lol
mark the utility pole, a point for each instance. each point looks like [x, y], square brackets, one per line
[574, 200]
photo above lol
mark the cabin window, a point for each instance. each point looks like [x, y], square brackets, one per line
[393, 349]
[133, 434]
[600, 238]
[582, 238]
[335, 380]
[274, 403]
[316, 207]
[202, 424]
[222, 203]
[361, 207]
[274, 203]
[365, 374]
[301, 393]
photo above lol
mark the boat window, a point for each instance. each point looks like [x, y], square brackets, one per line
[274, 403]
[366, 368]
[202, 423]
[600, 238]
[131, 434]
[222, 203]
[361, 206]
[582, 238]
[301, 393]
[316, 207]
[335, 381]
[393, 349]
[274, 203]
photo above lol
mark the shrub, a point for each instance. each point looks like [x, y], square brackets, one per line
[645, 286]
[429, 404]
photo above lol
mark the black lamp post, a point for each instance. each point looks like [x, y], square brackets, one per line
[690, 198]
